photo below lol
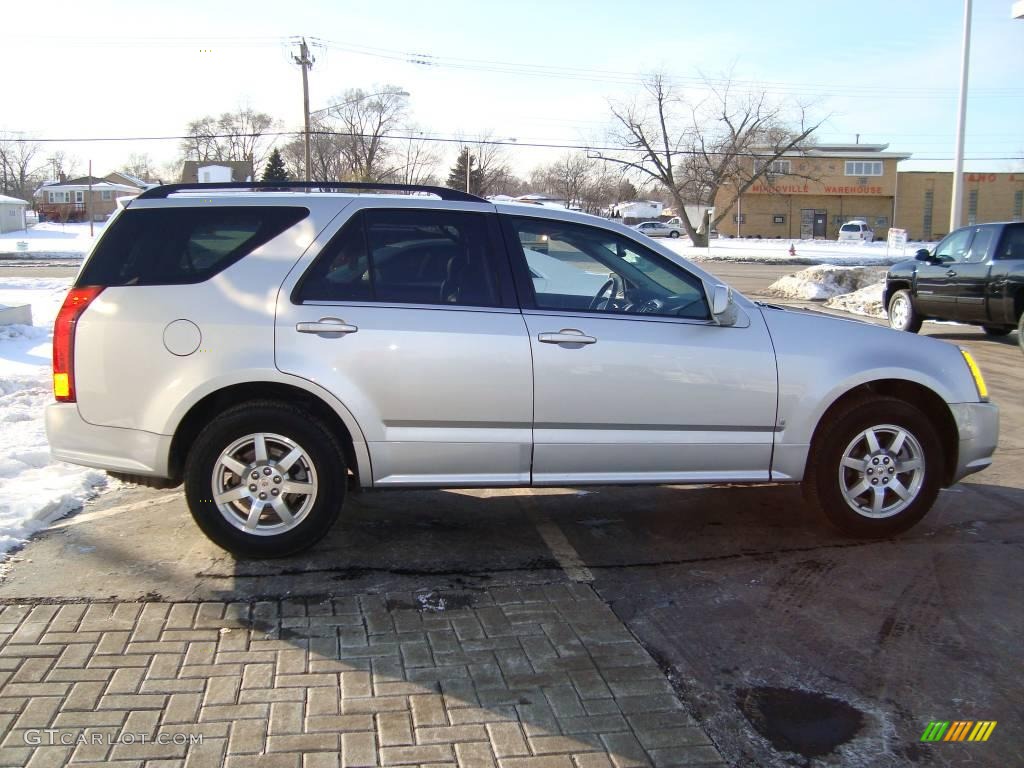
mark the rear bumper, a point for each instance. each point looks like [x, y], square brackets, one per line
[74, 440]
[978, 426]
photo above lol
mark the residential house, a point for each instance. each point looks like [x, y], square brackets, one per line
[209, 171]
[69, 200]
[120, 177]
[12, 214]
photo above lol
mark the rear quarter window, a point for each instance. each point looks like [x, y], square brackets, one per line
[177, 246]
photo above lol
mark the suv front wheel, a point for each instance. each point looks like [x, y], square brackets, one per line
[875, 467]
[265, 479]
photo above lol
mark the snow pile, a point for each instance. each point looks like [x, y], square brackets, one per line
[34, 490]
[824, 281]
[51, 239]
[805, 251]
[866, 301]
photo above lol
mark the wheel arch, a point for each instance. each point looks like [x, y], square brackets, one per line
[913, 393]
[207, 407]
[896, 284]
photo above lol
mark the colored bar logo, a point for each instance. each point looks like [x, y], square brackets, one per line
[958, 730]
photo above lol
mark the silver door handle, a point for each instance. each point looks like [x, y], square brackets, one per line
[951, 273]
[565, 336]
[331, 325]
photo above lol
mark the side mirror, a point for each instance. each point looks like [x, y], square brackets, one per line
[721, 297]
[923, 255]
[723, 309]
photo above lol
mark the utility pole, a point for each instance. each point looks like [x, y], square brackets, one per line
[305, 61]
[88, 202]
[958, 165]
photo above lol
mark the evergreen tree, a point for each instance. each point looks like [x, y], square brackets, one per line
[274, 170]
[457, 175]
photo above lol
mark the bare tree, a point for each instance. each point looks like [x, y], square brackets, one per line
[366, 119]
[490, 172]
[695, 150]
[62, 165]
[239, 135]
[326, 153]
[21, 171]
[417, 159]
[140, 166]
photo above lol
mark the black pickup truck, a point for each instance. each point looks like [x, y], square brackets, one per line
[975, 275]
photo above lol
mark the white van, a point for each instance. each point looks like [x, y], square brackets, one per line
[857, 229]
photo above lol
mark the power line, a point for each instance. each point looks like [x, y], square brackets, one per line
[461, 140]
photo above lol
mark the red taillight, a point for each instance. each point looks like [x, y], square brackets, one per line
[64, 340]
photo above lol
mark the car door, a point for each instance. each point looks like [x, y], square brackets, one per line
[935, 286]
[1007, 264]
[972, 275]
[405, 318]
[633, 381]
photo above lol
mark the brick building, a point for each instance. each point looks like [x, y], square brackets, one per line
[925, 198]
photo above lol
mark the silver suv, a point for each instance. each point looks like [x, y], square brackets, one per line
[275, 347]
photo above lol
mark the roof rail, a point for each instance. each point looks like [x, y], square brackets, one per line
[444, 193]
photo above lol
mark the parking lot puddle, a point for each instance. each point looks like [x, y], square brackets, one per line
[805, 722]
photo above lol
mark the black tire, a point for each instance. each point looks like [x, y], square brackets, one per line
[266, 416]
[909, 321]
[996, 330]
[673, 233]
[822, 484]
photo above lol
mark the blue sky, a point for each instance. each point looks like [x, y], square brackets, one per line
[529, 70]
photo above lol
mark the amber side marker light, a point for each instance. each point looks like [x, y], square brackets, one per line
[979, 380]
[64, 340]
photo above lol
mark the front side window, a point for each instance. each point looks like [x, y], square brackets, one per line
[590, 269]
[405, 256]
[177, 246]
[954, 246]
[981, 245]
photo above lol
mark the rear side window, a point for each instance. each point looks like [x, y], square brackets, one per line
[406, 257]
[1012, 245]
[176, 246]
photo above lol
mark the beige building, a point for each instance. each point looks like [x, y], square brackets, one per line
[811, 192]
[925, 199]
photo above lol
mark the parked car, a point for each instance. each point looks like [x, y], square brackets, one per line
[856, 231]
[974, 275]
[657, 229]
[274, 350]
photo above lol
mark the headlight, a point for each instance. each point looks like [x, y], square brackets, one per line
[979, 380]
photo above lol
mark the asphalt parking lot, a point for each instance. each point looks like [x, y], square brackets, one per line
[767, 637]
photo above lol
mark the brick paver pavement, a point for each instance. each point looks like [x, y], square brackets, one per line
[542, 677]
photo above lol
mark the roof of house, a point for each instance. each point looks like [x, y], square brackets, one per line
[240, 169]
[134, 180]
[6, 199]
[98, 186]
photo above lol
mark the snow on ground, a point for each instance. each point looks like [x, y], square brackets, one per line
[866, 301]
[824, 281]
[52, 239]
[34, 490]
[806, 251]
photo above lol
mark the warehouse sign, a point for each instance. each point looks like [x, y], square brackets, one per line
[815, 189]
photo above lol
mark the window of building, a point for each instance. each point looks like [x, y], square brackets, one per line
[407, 257]
[972, 207]
[926, 222]
[58, 197]
[79, 196]
[177, 246]
[739, 218]
[780, 167]
[863, 167]
[106, 194]
[881, 221]
[778, 219]
[1018, 204]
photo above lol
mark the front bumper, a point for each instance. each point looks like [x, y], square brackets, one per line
[76, 441]
[978, 427]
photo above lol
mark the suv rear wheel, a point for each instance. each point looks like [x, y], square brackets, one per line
[265, 479]
[875, 467]
[902, 315]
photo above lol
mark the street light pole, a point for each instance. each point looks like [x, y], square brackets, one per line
[956, 210]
